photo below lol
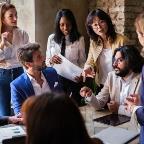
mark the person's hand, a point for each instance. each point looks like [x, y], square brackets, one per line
[88, 73]
[4, 37]
[79, 78]
[85, 92]
[135, 99]
[131, 101]
[113, 106]
[56, 59]
[15, 120]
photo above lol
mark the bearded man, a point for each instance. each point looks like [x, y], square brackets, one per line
[124, 81]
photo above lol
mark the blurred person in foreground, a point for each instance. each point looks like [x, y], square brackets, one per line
[55, 119]
[133, 100]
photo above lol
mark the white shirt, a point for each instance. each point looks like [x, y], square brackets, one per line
[105, 64]
[9, 52]
[74, 52]
[124, 93]
[37, 88]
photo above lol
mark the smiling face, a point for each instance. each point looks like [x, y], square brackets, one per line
[120, 65]
[10, 18]
[65, 26]
[99, 26]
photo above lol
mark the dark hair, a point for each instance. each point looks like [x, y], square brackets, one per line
[25, 53]
[55, 119]
[74, 34]
[132, 55]
[5, 7]
[103, 16]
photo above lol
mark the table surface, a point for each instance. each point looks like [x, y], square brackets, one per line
[93, 127]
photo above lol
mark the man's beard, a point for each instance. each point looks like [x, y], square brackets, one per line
[40, 68]
[122, 72]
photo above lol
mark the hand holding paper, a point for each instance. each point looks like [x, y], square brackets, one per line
[68, 69]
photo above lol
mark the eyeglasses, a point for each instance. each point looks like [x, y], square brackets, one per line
[98, 23]
[118, 60]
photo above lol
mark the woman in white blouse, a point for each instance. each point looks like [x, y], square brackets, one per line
[67, 41]
[11, 39]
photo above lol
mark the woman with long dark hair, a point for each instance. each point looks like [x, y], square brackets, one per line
[103, 41]
[68, 42]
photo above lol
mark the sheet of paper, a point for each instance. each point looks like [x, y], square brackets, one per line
[116, 135]
[67, 69]
[12, 131]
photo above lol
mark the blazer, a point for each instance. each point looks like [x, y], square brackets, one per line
[140, 119]
[140, 111]
[21, 87]
[112, 89]
[95, 50]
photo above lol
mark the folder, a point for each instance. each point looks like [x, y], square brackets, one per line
[116, 135]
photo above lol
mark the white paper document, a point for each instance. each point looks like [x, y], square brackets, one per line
[67, 69]
[10, 132]
[116, 135]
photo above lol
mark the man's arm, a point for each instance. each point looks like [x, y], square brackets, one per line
[100, 100]
[16, 99]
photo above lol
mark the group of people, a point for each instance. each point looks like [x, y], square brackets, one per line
[115, 66]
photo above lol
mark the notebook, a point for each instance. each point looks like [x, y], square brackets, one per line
[113, 119]
[116, 135]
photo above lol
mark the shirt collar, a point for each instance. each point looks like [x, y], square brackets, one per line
[33, 79]
[129, 78]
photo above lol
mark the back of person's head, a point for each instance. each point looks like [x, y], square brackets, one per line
[74, 34]
[139, 21]
[139, 25]
[54, 119]
[25, 52]
[132, 55]
[102, 16]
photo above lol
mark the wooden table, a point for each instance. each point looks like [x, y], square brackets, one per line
[89, 113]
